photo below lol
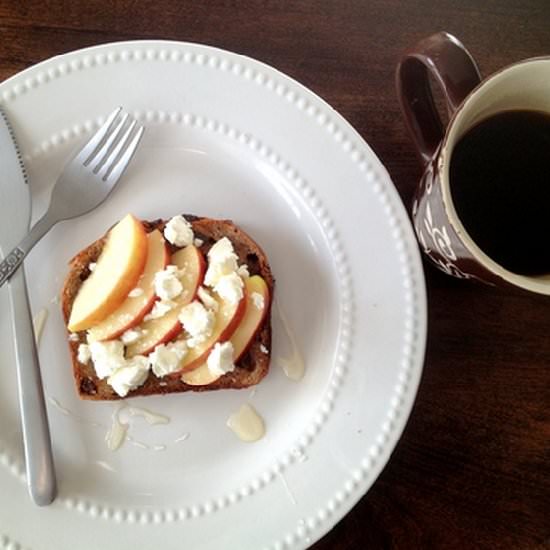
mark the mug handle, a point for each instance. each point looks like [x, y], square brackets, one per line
[454, 70]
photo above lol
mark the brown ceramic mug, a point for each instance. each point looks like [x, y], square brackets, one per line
[524, 85]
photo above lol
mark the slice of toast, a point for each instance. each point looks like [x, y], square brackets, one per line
[250, 369]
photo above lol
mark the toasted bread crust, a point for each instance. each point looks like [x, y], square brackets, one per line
[249, 370]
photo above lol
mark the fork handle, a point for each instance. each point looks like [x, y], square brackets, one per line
[15, 258]
[41, 479]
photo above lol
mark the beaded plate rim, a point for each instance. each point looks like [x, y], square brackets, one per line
[404, 390]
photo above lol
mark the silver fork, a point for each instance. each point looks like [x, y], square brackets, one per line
[86, 181]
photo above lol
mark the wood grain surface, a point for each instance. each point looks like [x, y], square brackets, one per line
[472, 469]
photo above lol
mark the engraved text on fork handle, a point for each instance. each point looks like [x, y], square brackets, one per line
[10, 264]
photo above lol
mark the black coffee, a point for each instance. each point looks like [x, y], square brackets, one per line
[500, 185]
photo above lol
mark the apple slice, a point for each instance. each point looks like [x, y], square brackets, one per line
[228, 317]
[257, 307]
[244, 334]
[201, 376]
[117, 272]
[165, 328]
[134, 308]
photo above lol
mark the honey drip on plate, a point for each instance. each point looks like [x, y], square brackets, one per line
[150, 417]
[247, 424]
[117, 432]
[292, 366]
[39, 320]
[116, 435]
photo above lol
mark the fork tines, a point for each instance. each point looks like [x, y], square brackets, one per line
[111, 148]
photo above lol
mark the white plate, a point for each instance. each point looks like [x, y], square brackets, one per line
[230, 137]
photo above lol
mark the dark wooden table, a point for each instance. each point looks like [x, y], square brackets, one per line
[472, 469]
